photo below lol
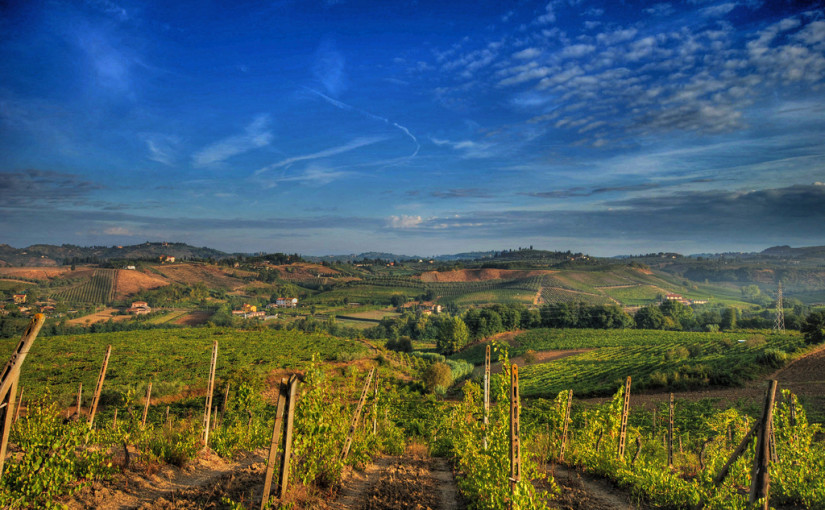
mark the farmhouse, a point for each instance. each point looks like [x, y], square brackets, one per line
[140, 308]
[286, 302]
[19, 298]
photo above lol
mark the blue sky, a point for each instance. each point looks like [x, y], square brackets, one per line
[414, 127]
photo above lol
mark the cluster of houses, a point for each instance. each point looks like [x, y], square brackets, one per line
[251, 311]
[23, 306]
[684, 301]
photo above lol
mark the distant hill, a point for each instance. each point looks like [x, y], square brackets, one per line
[51, 255]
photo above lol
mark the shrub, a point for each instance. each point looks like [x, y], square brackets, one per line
[774, 358]
[438, 376]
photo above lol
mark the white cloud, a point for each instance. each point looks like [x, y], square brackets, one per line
[716, 11]
[256, 135]
[527, 53]
[404, 221]
[549, 15]
[577, 50]
[118, 231]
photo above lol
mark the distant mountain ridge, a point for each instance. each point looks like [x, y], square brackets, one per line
[52, 255]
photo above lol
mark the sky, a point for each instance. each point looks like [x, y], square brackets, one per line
[414, 127]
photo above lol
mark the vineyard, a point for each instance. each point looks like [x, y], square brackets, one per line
[100, 288]
[656, 359]
[322, 406]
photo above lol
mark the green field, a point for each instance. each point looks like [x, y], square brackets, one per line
[654, 359]
[501, 296]
[637, 295]
[173, 360]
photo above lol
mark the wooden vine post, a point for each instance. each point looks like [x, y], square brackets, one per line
[79, 399]
[670, 435]
[356, 416]
[146, 405]
[99, 388]
[209, 390]
[290, 419]
[565, 425]
[375, 406]
[625, 410]
[486, 392]
[225, 400]
[760, 476]
[515, 444]
[19, 405]
[9, 379]
[8, 407]
[276, 438]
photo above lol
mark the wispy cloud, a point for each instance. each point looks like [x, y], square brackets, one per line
[162, 148]
[329, 68]
[255, 136]
[468, 148]
[345, 106]
[332, 151]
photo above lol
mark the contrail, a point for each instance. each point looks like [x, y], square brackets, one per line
[344, 106]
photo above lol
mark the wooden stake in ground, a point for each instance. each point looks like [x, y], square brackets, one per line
[273, 446]
[19, 405]
[114, 420]
[566, 423]
[625, 410]
[8, 408]
[290, 419]
[743, 445]
[10, 375]
[100, 378]
[670, 435]
[486, 392]
[210, 389]
[375, 407]
[146, 405]
[356, 416]
[225, 400]
[79, 399]
[760, 477]
[12, 368]
[515, 443]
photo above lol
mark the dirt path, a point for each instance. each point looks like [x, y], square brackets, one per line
[412, 481]
[580, 491]
[201, 484]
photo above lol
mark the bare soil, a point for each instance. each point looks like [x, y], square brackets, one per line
[580, 491]
[194, 318]
[130, 282]
[101, 316]
[413, 481]
[479, 275]
[200, 484]
[36, 273]
[211, 276]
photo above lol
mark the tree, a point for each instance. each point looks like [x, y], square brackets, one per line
[814, 327]
[453, 334]
[681, 315]
[649, 317]
[729, 318]
[397, 300]
[438, 377]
